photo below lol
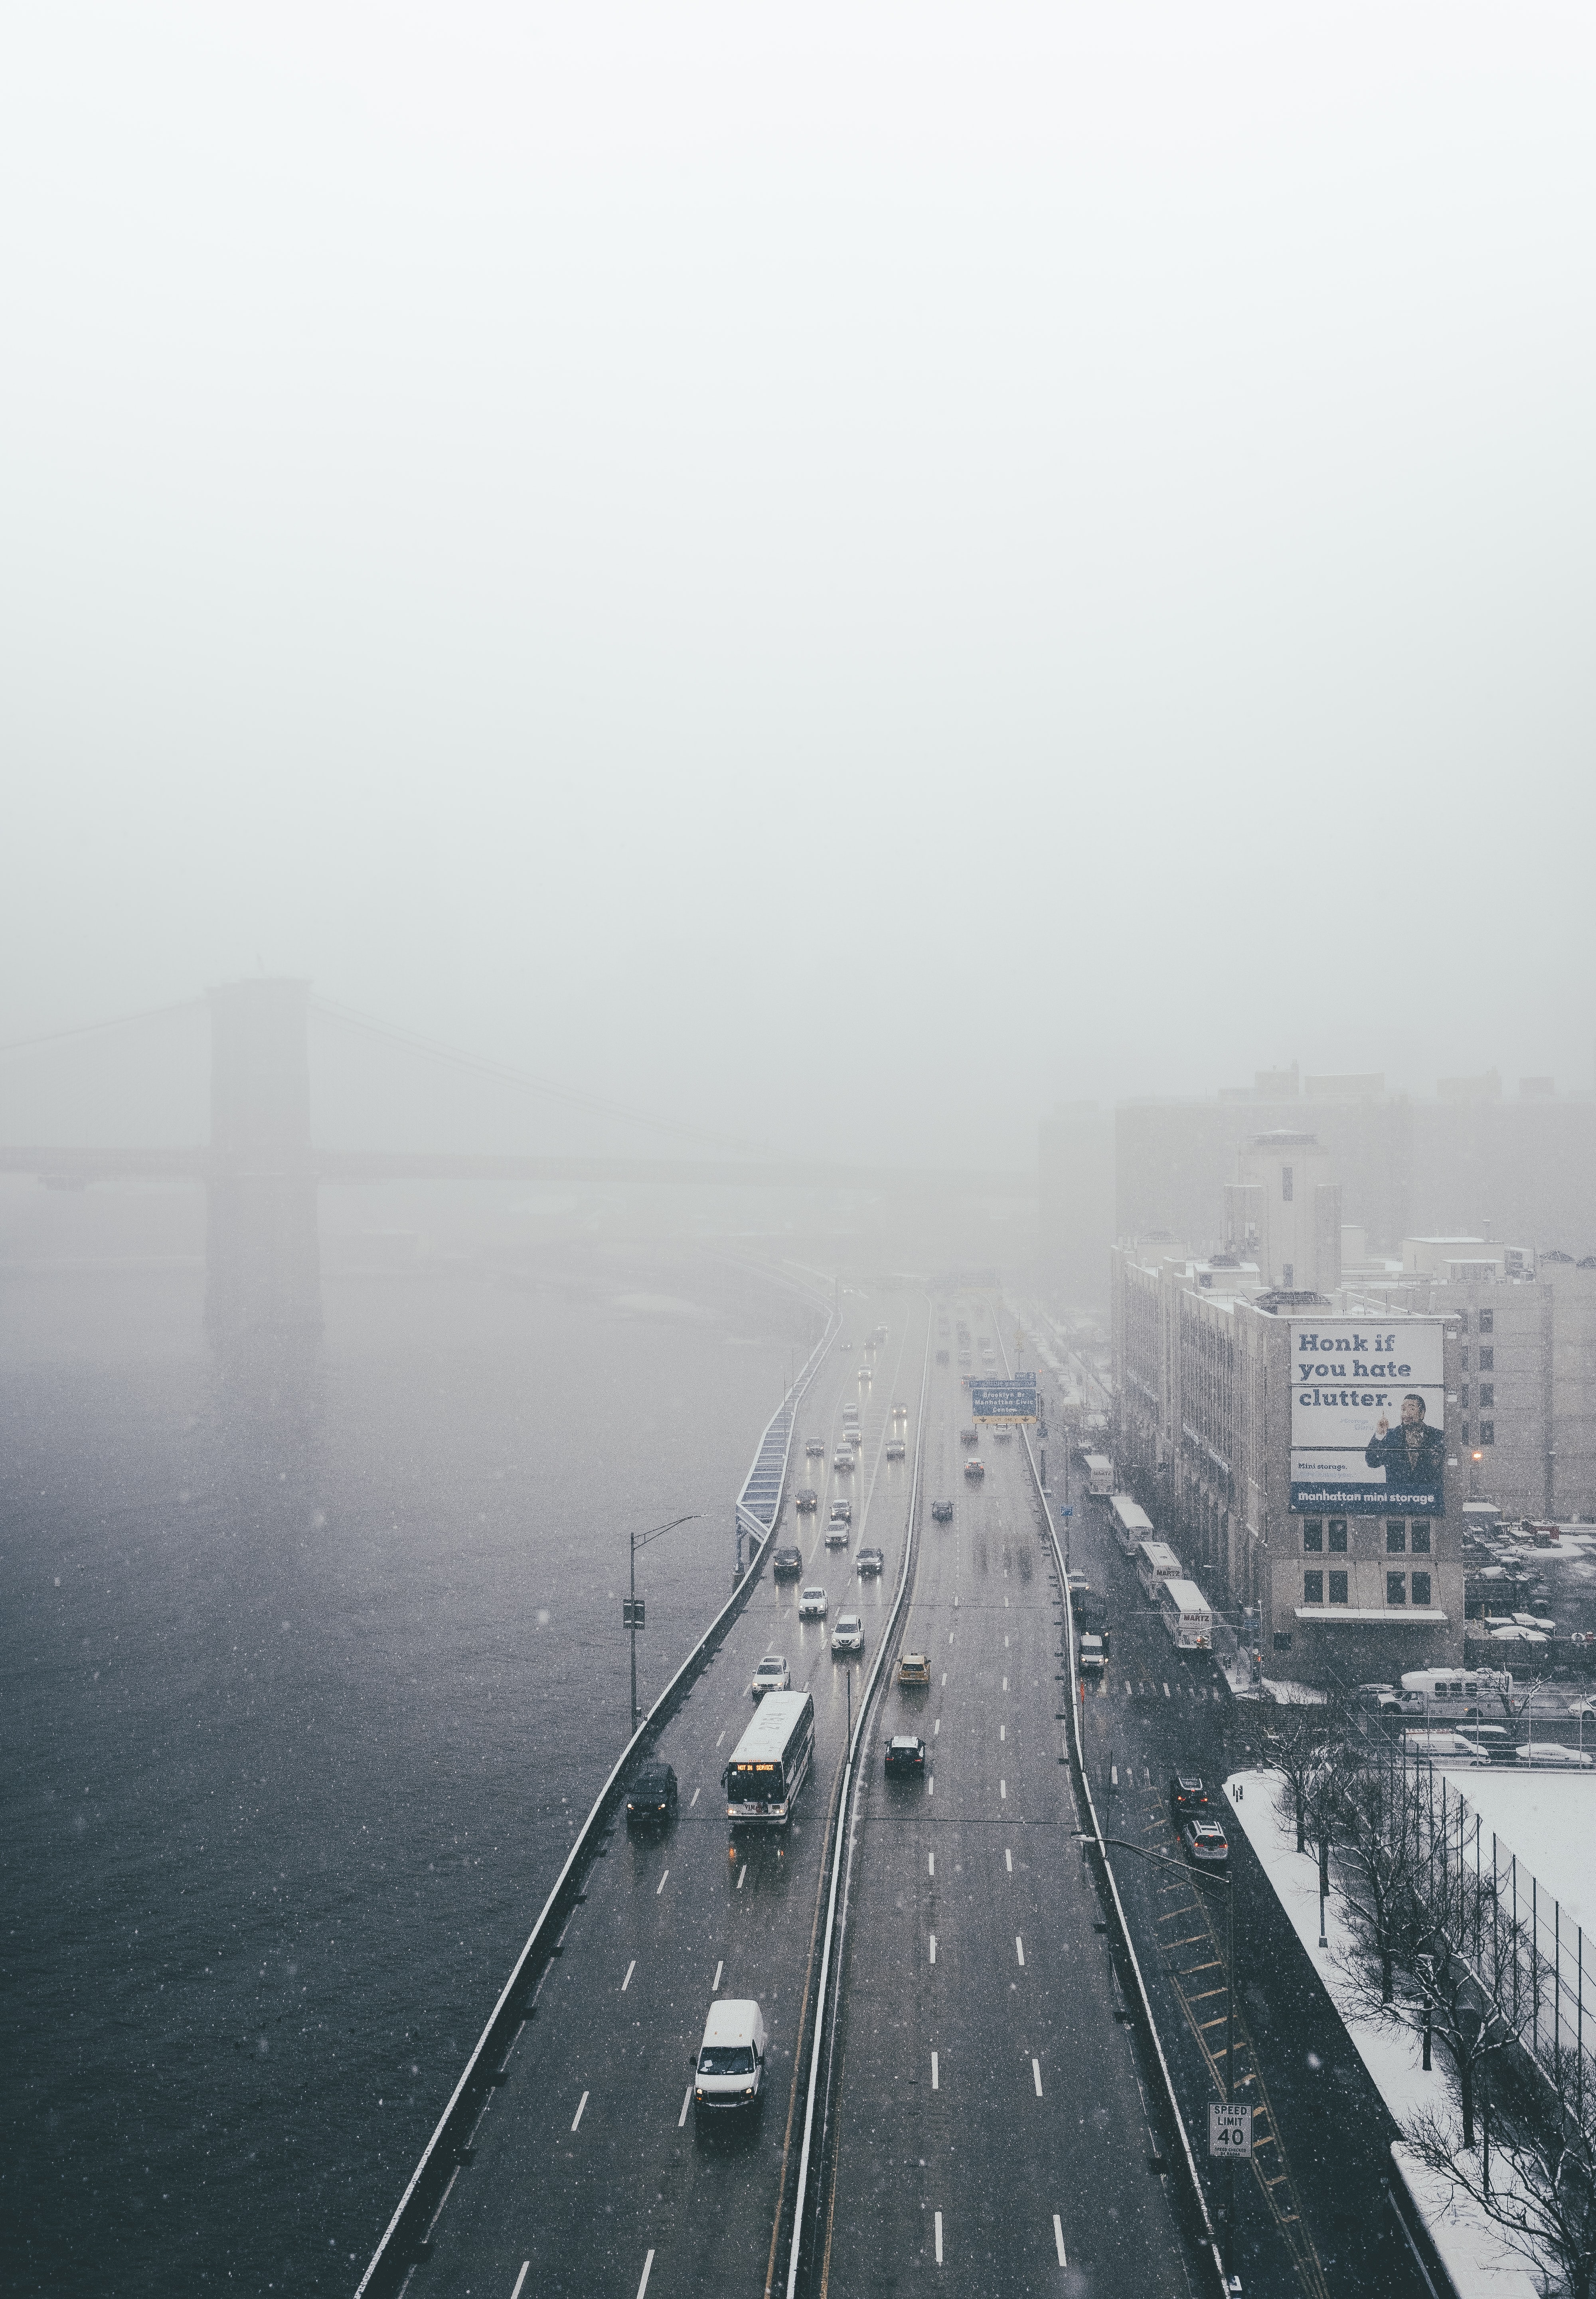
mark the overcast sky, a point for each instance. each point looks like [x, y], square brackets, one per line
[853, 571]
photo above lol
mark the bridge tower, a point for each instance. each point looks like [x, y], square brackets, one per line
[264, 1255]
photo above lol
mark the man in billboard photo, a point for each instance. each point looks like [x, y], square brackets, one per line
[1413, 1456]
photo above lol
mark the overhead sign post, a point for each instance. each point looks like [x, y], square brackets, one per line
[1230, 2132]
[1005, 1400]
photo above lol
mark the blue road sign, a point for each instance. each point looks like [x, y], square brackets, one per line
[1005, 1400]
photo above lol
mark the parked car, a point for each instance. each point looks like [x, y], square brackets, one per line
[811, 1605]
[652, 1798]
[848, 1636]
[867, 1562]
[905, 1756]
[806, 1499]
[772, 1676]
[1204, 1841]
[914, 1669]
[942, 1512]
[786, 1563]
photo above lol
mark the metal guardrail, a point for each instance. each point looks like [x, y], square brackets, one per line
[407, 2237]
[1196, 2200]
[831, 1945]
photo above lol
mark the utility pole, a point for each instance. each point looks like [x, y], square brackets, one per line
[631, 1607]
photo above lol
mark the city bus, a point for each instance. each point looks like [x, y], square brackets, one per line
[770, 1762]
[1156, 1561]
[1100, 1474]
[1185, 1614]
[1131, 1523]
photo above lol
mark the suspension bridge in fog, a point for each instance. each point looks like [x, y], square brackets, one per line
[263, 1166]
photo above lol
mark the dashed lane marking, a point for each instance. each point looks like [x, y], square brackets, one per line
[742, 1875]
[1036, 2076]
[1003, 1790]
[1019, 1950]
[937, 2218]
[933, 1947]
[626, 1982]
[935, 2074]
[647, 2264]
[577, 2117]
[660, 1887]
[718, 1744]
[521, 2279]
[715, 1983]
[1009, 1860]
[696, 1794]
[930, 1863]
[1059, 2239]
[687, 2103]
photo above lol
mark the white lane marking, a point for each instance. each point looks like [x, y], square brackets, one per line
[1059, 2239]
[696, 1794]
[938, 2219]
[660, 1887]
[935, 2078]
[1166, 1692]
[719, 1968]
[930, 1783]
[930, 1863]
[1003, 1790]
[647, 2264]
[626, 1982]
[718, 1744]
[1008, 1860]
[1019, 1950]
[1005, 1648]
[1114, 1774]
[521, 2279]
[1005, 1600]
[933, 1947]
[1127, 1685]
[1036, 2076]
[687, 2103]
[577, 2117]
[742, 1875]
[950, 1636]
[1003, 1731]
[944, 1676]
[937, 1728]
[1005, 1684]
[955, 1604]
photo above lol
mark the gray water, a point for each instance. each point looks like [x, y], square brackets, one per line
[305, 1690]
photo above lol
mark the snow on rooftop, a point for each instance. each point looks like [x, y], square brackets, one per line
[1547, 1820]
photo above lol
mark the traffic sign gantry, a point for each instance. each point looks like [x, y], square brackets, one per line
[1005, 1400]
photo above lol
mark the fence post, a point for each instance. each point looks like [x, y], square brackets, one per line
[1557, 1994]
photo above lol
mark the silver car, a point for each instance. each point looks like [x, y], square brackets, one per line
[848, 1636]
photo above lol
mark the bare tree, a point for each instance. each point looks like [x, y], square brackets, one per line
[1537, 2186]
[1378, 1877]
[1303, 1742]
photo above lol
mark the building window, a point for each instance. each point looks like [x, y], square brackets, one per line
[1338, 1588]
[1421, 1535]
[1313, 1535]
[1463, 1358]
[1463, 1430]
[1464, 1399]
[1487, 1433]
[1396, 1536]
[1313, 1588]
[1283, 1640]
[1286, 1184]
[1421, 1587]
[1396, 1589]
[1338, 1535]
[1290, 1275]
[1488, 1360]
[1487, 1321]
[1487, 1394]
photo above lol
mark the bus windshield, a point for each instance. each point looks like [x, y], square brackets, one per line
[754, 1783]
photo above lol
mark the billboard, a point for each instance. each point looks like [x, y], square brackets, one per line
[1005, 1400]
[1368, 1416]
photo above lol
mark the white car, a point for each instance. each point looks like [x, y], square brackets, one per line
[842, 1458]
[848, 1636]
[770, 1676]
[1512, 1635]
[838, 1534]
[812, 1607]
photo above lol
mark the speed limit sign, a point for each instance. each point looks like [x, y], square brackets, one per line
[1229, 2133]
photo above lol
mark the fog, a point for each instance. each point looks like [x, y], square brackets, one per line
[837, 576]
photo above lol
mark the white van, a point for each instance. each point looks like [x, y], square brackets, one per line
[1100, 1474]
[1185, 1613]
[729, 2067]
[1156, 1562]
[1130, 1522]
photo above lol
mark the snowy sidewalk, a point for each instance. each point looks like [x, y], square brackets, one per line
[1480, 2265]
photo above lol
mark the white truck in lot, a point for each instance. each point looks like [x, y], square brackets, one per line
[1186, 1613]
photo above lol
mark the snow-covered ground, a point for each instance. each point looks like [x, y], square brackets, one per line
[1479, 2265]
[1547, 1820]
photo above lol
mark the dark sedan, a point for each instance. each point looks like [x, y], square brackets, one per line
[653, 1797]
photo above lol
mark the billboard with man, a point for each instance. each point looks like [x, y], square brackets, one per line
[1368, 1416]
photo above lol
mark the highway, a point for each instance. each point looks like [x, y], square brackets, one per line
[989, 2120]
[586, 2173]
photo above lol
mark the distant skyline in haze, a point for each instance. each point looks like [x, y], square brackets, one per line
[844, 579]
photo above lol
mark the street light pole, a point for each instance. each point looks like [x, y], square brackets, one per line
[631, 1610]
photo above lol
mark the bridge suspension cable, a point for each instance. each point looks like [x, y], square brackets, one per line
[116, 1022]
[595, 1105]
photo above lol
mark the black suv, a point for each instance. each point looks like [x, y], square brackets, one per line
[651, 1801]
[787, 1564]
[1187, 1796]
[942, 1512]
